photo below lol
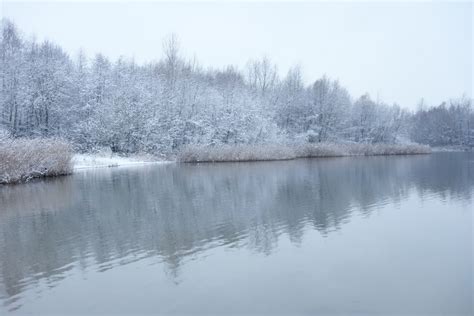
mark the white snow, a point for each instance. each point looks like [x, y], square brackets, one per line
[87, 161]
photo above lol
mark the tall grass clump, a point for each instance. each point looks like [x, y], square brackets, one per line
[229, 153]
[240, 152]
[355, 149]
[24, 159]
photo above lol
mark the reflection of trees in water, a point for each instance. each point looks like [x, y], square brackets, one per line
[111, 217]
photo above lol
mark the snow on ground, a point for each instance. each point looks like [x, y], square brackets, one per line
[86, 161]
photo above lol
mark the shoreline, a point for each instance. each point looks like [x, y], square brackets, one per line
[248, 153]
[297, 158]
[50, 158]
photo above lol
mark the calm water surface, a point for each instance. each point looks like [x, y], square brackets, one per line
[391, 235]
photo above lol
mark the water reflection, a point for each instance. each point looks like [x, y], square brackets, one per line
[104, 218]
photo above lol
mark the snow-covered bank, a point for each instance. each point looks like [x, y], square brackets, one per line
[24, 159]
[230, 153]
[87, 161]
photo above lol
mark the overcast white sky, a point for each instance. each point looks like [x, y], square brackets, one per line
[400, 52]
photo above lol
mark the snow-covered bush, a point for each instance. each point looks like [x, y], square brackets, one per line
[24, 159]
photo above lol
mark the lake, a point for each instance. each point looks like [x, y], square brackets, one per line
[355, 235]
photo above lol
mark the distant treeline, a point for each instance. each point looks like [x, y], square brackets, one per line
[162, 106]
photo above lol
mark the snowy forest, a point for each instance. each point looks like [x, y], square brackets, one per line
[159, 107]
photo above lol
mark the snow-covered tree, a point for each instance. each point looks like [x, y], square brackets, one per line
[165, 105]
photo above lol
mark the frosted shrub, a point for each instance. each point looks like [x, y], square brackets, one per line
[24, 159]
